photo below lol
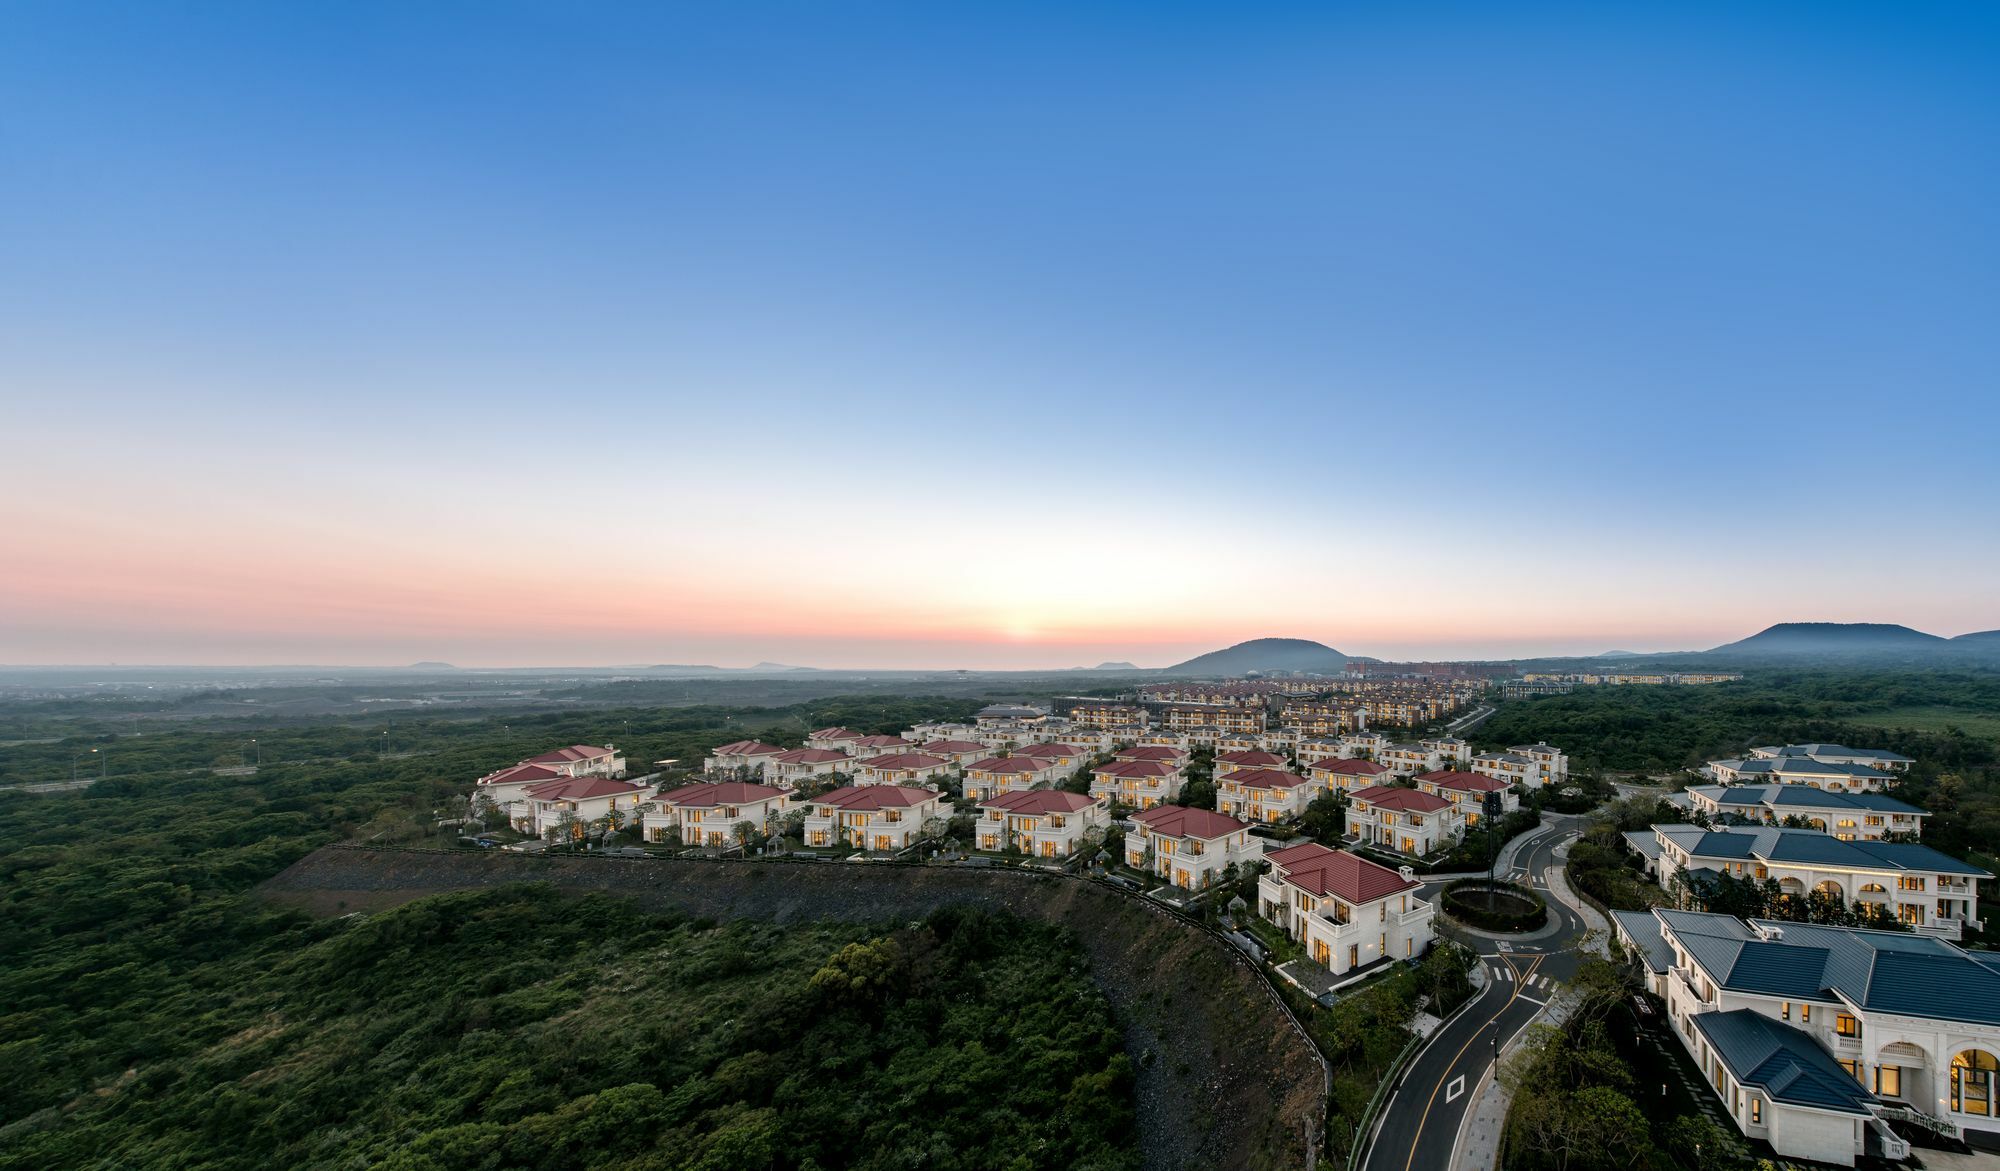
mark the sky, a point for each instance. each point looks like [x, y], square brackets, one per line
[1010, 335]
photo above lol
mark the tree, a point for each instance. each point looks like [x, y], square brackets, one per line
[567, 828]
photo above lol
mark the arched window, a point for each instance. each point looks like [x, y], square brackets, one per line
[1972, 1082]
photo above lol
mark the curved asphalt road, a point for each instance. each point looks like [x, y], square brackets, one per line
[1420, 1121]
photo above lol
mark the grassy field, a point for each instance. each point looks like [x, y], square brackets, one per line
[1984, 725]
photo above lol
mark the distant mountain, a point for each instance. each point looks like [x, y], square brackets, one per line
[1835, 638]
[1979, 638]
[1619, 655]
[1264, 655]
[1114, 667]
[430, 667]
[781, 667]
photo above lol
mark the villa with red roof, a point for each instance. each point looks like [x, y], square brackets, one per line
[875, 817]
[1314, 749]
[1066, 757]
[1006, 774]
[584, 799]
[1047, 823]
[902, 768]
[1346, 911]
[707, 814]
[1140, 784]
[1229, 762]
[1468, 791]
[867, 746]
[1177, 757]
[958, 752]
[837, 739]
[1408, 821]
[582, 760]
[802, 766]
[1348, 775]
[510, 785]
[1189, 847]
[1263, 794]
[747, 756]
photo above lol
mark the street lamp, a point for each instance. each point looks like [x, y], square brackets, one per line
[258, 749]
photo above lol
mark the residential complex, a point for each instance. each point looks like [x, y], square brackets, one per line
[1263, 794]
[1833, 767]
[872, 817]
[1407, 821]
[709, 814]
[1047, 823]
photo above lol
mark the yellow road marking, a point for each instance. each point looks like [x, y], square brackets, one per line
[1519, 977]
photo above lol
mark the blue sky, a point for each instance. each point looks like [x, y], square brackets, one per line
[1422, 329]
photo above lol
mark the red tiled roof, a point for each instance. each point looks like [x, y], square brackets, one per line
[1048, 750]
[1265, 778]
[1152, 752]
[1008, 764]
[1040, 801]
[876, 797]
[581, 788]
[904, 760]
[748, 748]
[574, 752]
[1468, 782]
[1352, 768]
[810, 756]
[939, 747]
[1411, 800]
[1136, 768]
[835, 734]
[702, 795]
[1175, 821]
[1318, 870]
[1250, 759]
[883, 742]
[516, 774]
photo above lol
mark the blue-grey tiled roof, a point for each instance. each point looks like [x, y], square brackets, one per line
[1782, 1061]
[1644, 931]
[1812, 848]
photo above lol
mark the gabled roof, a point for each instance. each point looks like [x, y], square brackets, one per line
[1351, 768]
[748, 748]
[1402, 800]
[1782, 1061]
[1318, 870]
[939, 747]
[1644, 931]
[703, 795]
[1152, 752]
[1009, 764]
[1465, 782]
[1804, 847]
[570, 755]
[519, 774]
[1040, 801]
[883, 742]
[581, 789]
[1136, 768]
[1250, 758]
[835, 734]
[1175, 821]
[1802, 797]
[1264, 778]
[810, 756]
[859, 798]
[1834, 750]
[1050, 751]
[909, 760]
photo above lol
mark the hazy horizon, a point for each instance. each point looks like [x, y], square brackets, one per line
[923, 337]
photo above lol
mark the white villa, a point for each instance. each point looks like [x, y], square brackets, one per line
[1140, 784]
[1931, 892]
[802, 766]
[1348, 774]
[902, 768]
[707, 814]
[748, 756]
[1047, 823]
[875, 817]
[1348, 912]
[1263, 794]
[1005, 774]
[1848, 816]
[1188, 847]
[1407, 821]
[1468, 791]
[1812, 1036]
[581, 799]
[1836, 776]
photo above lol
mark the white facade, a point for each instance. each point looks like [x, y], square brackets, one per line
[1347, 912]
[1188, 847]
[1045, 823]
